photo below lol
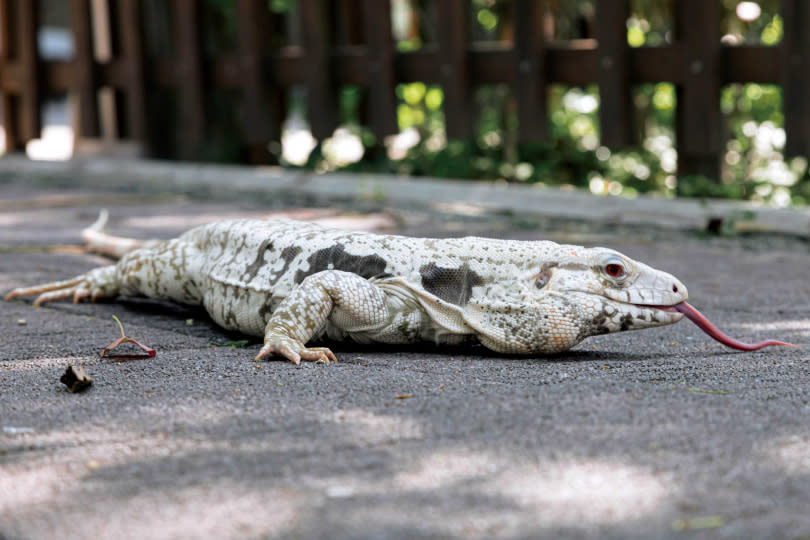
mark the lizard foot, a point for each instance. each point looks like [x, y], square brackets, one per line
[93, 285]
[295, 351]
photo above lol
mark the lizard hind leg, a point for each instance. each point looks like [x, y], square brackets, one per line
[95, 284]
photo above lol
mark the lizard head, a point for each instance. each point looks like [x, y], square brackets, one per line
[613, 292]
[597, 291]
[584, 292]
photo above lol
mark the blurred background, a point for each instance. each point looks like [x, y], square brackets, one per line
[670, 97]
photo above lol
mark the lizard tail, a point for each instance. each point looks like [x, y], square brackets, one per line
[97, 241]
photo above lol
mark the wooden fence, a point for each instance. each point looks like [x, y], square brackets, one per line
[260, 68]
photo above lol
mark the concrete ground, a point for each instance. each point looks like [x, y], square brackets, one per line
[661, 433]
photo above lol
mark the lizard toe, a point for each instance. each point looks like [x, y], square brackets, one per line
[280, 349]
[53, 296]
[320, 355]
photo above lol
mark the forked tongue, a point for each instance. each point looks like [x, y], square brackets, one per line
[703, 323]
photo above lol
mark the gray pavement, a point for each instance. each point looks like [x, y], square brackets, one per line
[660, 433]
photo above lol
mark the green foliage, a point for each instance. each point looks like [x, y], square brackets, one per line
[753, 163]
[281, 6]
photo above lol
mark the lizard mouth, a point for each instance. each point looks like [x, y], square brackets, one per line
[704, 324]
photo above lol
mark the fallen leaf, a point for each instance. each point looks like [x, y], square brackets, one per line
[403, 396]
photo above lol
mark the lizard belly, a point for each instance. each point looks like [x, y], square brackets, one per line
[239, 308]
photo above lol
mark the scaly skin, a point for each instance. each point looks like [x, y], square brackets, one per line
[293, 282]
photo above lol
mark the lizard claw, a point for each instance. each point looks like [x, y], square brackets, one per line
[295, 353]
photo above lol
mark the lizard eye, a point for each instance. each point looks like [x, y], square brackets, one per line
[614, 268]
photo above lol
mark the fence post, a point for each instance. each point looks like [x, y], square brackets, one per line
[454, 71]
[698, 118]
[320, 80]
[20, 63]
[381, 79]
[130, 26]
[530, 78]
[796, 76]
[615, 92]
[86, 123]
[260, 122]
[189, 77]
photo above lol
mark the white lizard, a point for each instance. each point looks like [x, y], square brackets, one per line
[293, 282]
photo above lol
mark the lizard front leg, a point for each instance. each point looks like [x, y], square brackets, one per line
[348, 301]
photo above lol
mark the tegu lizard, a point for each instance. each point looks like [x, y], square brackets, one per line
[294, 282]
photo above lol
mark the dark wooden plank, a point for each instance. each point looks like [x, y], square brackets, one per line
[795, 65]
[698, 118]
[454, 70]
[24, 32]
[261, 122]
[656, 64]
[84, 85]
[347, 14]
[489, 64]
[189, 76]
[576, 64]
[530, 74]
[319, 75]
[615, 92]
[381, 77]
[129, 25]
[752, 63]
[57, 76]
[9, 78]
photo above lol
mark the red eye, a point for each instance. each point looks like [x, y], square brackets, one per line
[614, 270]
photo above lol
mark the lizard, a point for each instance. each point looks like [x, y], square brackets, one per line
[293, 282]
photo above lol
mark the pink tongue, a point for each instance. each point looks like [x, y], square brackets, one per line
[703, 323]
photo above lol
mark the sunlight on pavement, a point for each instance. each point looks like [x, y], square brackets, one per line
[792, 454]
[794, 324]
[584, 492]
[445, 468]
[373, 428]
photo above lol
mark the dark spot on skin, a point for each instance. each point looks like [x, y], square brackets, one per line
[453, 285]
[253, 268]
[288, 255]
[336, 258]
[627, 322]
[598, 326]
